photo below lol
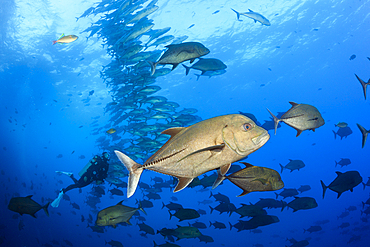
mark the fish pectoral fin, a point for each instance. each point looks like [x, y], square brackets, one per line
[182, 183]
[172, 131]
[215, 148]
[262, 180]
[224, 169]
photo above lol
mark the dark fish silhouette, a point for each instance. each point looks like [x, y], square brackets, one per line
[363, 84]
[343, 182]
[364, 133]
[25, 205]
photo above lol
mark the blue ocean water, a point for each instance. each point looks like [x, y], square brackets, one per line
[53, 121]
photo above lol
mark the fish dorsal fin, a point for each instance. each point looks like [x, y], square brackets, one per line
[30, 196]
[120, 203]
[183, 182]
[293, 103]
[216, 148]
[250, 10]
[246, 164]
[172, 131]
[338, 173]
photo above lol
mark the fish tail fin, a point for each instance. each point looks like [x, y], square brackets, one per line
[363, 84]
[163, 205]
[134, 172]
[277, 195]
[210, 195]
[335, 134]
[363, 184]
[231, 226]
[152, 67]
[211, 209]
[324, 187]
[336, 163]
[361, 212]
[187, 69]
[155, 244]
[55, 41]
[219, 179]
[282, 168]
[45, 207]
[363, 204]
[276, 120]
[237, 14]
[364, 133]
[170, 214]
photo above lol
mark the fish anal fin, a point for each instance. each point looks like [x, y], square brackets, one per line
[33, 215]
[182, 183]
[219, 179]
[174, 66]
[192, 60]
[172, 131]
[224, 169]
[351, 189]
[244, 193]
[250, 10]
[30, 196]
[246, 164]
[298, 132]
[120, 203]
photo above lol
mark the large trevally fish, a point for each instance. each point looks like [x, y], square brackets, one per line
[253, 15]
[191, 151]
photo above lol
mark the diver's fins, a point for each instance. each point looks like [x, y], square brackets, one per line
[56, 202]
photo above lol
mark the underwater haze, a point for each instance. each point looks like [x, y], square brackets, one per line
[115, 88]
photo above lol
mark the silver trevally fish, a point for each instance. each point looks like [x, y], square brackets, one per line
[253, 15]
[177, 54]
[301, 117]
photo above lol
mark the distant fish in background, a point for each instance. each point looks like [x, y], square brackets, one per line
[25, 205]
[343, 132]
[352, 57]
[343, 162]
[364, 133]
[343, 182]
[293, 165]
[363, 84]
[341, 124]
[253, 15]
[65, 39]
[300, 117]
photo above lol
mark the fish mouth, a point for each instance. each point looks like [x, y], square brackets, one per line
[261, 139]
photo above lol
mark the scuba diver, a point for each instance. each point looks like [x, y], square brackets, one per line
[96, 170]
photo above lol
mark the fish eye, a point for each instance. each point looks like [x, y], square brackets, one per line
[247, 126]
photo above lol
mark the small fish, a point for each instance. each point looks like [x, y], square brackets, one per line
[65, 39]
[364, 133]
[192, 25]
[215, 12]
[343, 182]
[352, 57]
[25, 205]
[363, 84]
[253, 15]
[341, 124]
[301, 117]
[111, 131]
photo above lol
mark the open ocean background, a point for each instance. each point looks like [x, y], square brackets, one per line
[50, 120]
